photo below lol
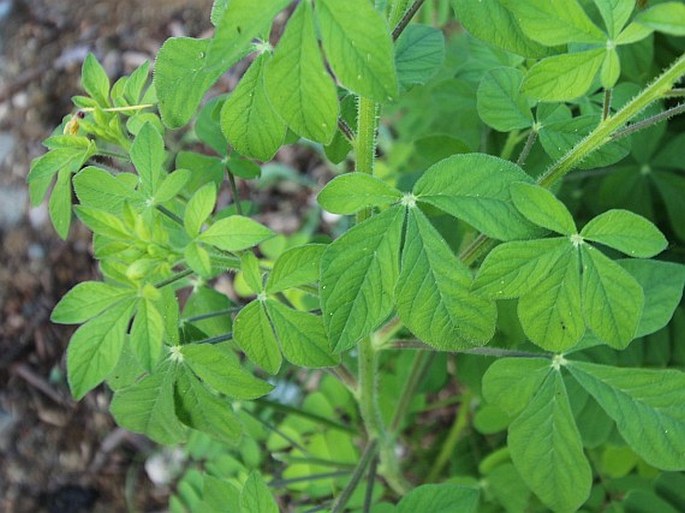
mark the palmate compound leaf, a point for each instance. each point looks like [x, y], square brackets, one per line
[352, 192]
[95, 347]
[248, 120]
[547, 449]
[359, 47]
[647, 406]
[186, 68]
[297, 82]
[433, 296]
[148, 406]
[475, 187]
[359, 272]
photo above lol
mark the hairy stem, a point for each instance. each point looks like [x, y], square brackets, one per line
[530, 141]
[173, 279]
[647, 122]
[606, 107]
[402, 24]
[234, 192]
[368, 454]
[170, 214]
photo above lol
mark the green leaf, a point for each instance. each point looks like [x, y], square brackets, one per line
[186, 68]
[490, 21]
[555, 22]
[563, 77]
[222, 371]
[615, 14]
[59, 205]
[662, 283]
[103, 223]
[87, 300]
[255, 496]
[97, 188]
[359, 48]
[671, 188]
[633, 33]
[199, 409]
[302, 336]
[475, 187]
[296, 266]
[148, 407]
[297, 82]
[133, 90]
[542, 208]
[248, 120]
[249, 265]
[95, 81]
[358, 275]
[95, 347]
[668, 17]
[235, 233]
[499, 101]
[147, 155]
[551, 314]
[646, 406]
[352, 192]
[419, 53]
[612, 299]
[516, 268]
[440, 498]
[171, 185]
[167, 305]
[253, 333]
[206, 300]
[510, 383]
[626, 232]
[147, 334]
[547, 450]
[611, 69]
[199, 208]
[433, 297]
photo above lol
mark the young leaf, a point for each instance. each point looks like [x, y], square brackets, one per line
[440, 498]
[626, 232]
[555, 22]
[95, 81]
[45, 167]
[646, 406]
[358, 275]
[615, 14]
[433, 297]
[171, 185]
[662, 283]
[352, 192]
[302, 336]
[612, 299]
[147, 154]
[516, 268]
[147, 333]
[97, 188]
[490, 21]
[253, 333]
[419, 52]
[133, 90]
[248, 120]
[103, 223]
[475, 187]
[199, 409]
[200, 206]
[297, 266]
[668, 17]
[148, 407]
[510, 383]
[87, 300]
[547, 450]
[249, 265]
[222, 371]
[235, 233]
[611, 69]
[499, 101]
[551, 314]
[359, 48]
[256, 497]
[186, 68]
[95, 347]
[542, 208]
[297, 82]
[59, 205]
[563, 77]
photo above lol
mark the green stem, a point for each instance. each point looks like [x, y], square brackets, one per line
[481, 351]
[368, 454]
[284, 408]
[173, 279]
[601, 135]
[367, 117]
[606, 107]
[210, 315]
[234, 192]
[368, 389]
[399, 7]
[530, 141]
[460, 424]
[170, 214]
[402, 24]
[421, 362]
[647, 122]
